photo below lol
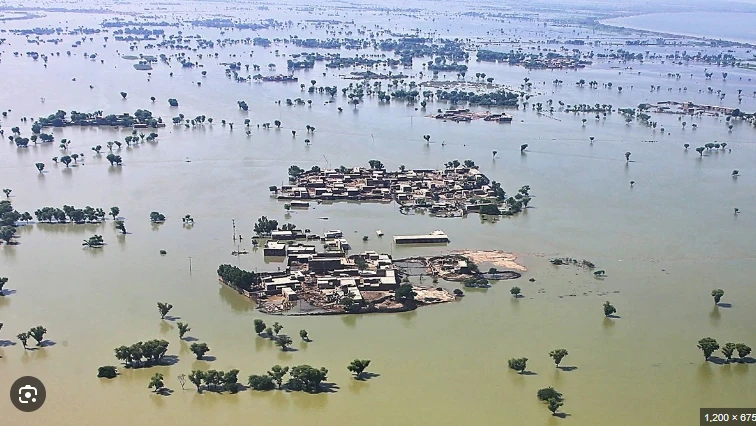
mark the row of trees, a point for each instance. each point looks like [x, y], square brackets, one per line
[272, 332]
[142, 354]
[709, 345]
[520, 364]
[68, 213]
[215, 381]
[8, 215]
[235, 276]
[301, 378]
[37, 333]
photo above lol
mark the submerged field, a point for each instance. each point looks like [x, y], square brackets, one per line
[664, 243]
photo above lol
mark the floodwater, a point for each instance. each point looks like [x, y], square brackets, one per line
[665, 244]
[725, 26]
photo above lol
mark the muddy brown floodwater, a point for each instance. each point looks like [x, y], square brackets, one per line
[664, 243]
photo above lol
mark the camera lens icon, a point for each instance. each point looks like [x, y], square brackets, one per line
[28, 394]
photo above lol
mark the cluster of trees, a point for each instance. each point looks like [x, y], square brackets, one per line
[709, 146]
[112, 159]
[9, 216]
[551, 397]
[709, 345]
[94, 241]
[498, 98]
[199, 349]
[96, 118]
[215, 381]
[157, 217]
[71, 214]
[37, 333]
[107, 371]
[301, 378]
[7, 233]
[512, 205]
[520, 364]
[142, 354]
[265, 226]
[404, 293]
[272, 332]
[238, 277]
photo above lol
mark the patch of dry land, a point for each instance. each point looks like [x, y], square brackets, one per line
[497, 258]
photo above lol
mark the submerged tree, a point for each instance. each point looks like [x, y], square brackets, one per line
[518, 364]
[196, 377]
[259, 326]
[728, 349]
[261, 383]
[164, 308]
[717, 294]
[199, 349]
[107, 371]
[743, 350]
[553, 405]
[283, 341]
[277, 327]
[38, 334]
[708, 345]
[277, 374]
[558, 355]
[358, 366]
[156, 382]
[609, 309]
[23, 337]
[157, 217]
[306, 378]
[183, 329]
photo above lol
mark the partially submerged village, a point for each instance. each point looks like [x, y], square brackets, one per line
[333, 281]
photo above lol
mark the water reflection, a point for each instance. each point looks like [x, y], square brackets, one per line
[715, 315]
[157, 400]
[407, 318]
[349, 320]
[307, 401]
[71, 228]
[727, 370]
[165, 327]
[262, 343]
[357, 386]
[115, 170]
[705, 373]
[740, 369]
[278, 398]
[236, 301]
[558, 376]
[609, 324]
[284, 357]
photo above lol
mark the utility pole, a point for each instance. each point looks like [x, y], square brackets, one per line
[233, 224]
[190, 264]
